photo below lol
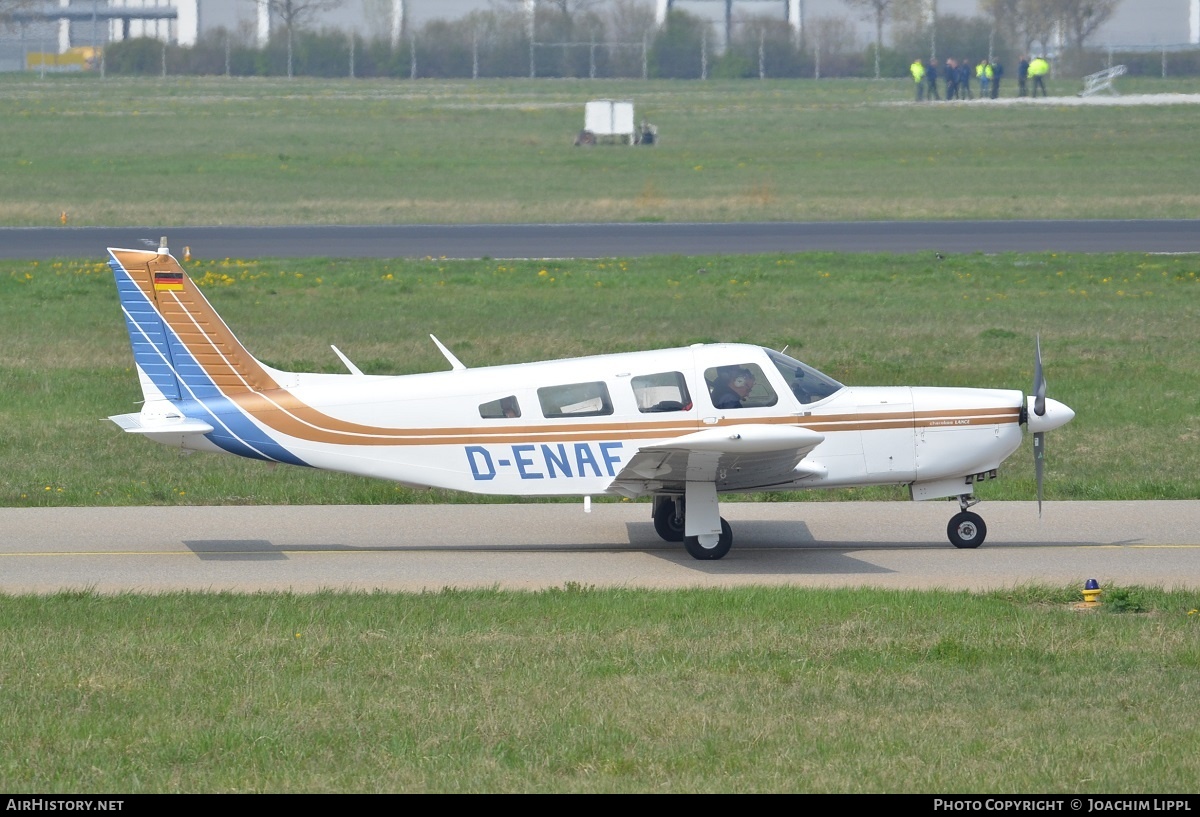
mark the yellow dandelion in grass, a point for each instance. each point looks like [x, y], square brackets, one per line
[542, 273]
[1191, 612]
[297, 635]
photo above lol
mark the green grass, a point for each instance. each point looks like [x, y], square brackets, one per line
[219, 151]
[580, 690]
[1117, 334]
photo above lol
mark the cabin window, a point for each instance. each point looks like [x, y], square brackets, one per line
[575, 400]
[739, 386]
[499, 409]
[665, 391]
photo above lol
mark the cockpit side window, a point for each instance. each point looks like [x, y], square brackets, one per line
[739, 386]
[808, 384]
[665, 391]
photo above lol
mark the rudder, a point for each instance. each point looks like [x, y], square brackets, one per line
[180, 344]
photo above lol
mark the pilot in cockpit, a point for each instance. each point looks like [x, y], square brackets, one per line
[733, 388]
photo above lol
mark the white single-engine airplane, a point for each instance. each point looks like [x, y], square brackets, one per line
[678, 425]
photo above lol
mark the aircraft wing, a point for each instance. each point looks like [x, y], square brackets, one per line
[734, 458]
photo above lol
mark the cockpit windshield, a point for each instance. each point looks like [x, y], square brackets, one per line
[806, 383]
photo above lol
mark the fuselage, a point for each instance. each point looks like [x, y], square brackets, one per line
[581, 420]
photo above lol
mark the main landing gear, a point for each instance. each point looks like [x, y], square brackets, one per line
[669, 524]
[966, 529]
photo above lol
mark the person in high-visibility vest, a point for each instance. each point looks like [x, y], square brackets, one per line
[1038, 68]
[918, 74]
[983, 73]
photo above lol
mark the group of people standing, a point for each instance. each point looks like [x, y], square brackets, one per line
[957, 75]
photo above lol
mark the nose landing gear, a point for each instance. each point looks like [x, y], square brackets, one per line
[966, 529]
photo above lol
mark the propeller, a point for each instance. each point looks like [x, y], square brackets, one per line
[1042, 414]
[1039, 382]
[1039, 408]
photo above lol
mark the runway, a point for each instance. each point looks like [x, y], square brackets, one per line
[418, 548]
[510, 241]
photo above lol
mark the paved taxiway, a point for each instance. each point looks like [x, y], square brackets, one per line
[534, 546]
[503, 241]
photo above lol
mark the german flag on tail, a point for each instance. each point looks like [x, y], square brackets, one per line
[168, 281]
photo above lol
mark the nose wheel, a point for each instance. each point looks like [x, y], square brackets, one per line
[966, 530]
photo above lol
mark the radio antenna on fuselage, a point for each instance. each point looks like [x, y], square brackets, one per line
[455, 363]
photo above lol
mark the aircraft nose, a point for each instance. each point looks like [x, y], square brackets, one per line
[1057, 414]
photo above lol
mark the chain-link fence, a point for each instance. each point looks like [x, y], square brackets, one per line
[459, 53]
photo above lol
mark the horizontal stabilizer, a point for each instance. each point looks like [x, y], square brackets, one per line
[139, 424]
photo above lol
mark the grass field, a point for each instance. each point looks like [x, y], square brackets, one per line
[219, 151]
[580, 690]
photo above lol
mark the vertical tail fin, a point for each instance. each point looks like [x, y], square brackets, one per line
[194, 373]
[181, 346]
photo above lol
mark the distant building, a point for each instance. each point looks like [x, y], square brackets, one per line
[93, 23]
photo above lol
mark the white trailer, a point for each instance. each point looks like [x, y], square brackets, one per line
[608, 120]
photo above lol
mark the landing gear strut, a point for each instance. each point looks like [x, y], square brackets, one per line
[669, 524]
[966, 529]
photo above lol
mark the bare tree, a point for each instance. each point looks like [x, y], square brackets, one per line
[829, 38]
[878, 11]
[1005, 16]
[1034, 21]
[1081, 18]
[10, 7]
[631, 21]
[565, 10]
[1037, 20]
[295, 14]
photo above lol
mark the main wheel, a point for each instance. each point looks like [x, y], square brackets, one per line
[966, 530]
[667, 523]
[699, 551]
